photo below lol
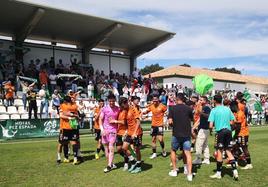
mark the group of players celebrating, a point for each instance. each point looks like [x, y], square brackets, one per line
[120, 127]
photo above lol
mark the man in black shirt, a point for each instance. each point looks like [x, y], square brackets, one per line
[203, 132]
[31, 96]
[179, 118]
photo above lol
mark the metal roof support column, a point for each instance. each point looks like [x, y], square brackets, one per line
[132, 63]
[110, 61]
[24, 31]
[85, 55]
[19, 51]
[101, 36]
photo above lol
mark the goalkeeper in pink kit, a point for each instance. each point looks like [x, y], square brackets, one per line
[108, 116]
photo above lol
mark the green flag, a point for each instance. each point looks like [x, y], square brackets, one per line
[258, 106]
[203, 84]
[253, 101]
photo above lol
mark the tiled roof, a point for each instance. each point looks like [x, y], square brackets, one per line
[218, 75]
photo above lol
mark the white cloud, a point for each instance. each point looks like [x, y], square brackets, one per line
[155, 22]
[106, 7]
[207, 46]
[249, 66]
[205, 28]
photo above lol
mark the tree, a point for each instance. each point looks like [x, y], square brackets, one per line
[150, 69]
[185, 65]
[228, 70]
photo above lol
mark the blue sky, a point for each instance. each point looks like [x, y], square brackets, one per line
[209, 33]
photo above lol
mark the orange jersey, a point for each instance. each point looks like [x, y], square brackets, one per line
[73, 95]
[241, 118]
[67, 107]
[9, 91]
[96, 119]
[122, 127]
[196, 113]
[43, 77]
[132, 116]
[158, 114]
[137, 111]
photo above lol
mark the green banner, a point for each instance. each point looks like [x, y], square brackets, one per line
[29, 128]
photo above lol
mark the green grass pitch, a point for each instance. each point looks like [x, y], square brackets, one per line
[33, 163]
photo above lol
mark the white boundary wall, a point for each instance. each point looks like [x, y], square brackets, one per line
[188, 82]
[257, 88]
[99, 60]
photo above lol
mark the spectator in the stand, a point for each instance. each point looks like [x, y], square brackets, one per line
[97, 72]
[90, 90]
[120, 84]
[61, 84]
[173, 89]
[155, 89]
[37, 64]
[60, 66]
[163, 98]
[147, 85]
[97, 78]
[115, 83]
[91, 69]
[43, 77]
[111, 74]
[171, 100]
[74, 85]
[143, 97]
[53, 80]
[125, 91]
[31, 64]
[102, 75]
[134, 85]
[45, 61]
[73, 61]
[9, 93]
[44, 96]
[56, 98]
[31, 71]
[136, 91]
[105, 90]
[45, 65]
[31, 96]
[52, 62]
[54, 113]
[140, 78]
[179, 88]
[116, 93]
[10, 73]
[81, 113]
[25, 88]
[136, 73]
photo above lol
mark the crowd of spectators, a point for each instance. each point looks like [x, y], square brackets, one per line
[93, 85]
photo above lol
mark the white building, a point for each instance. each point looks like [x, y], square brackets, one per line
[222, 81]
